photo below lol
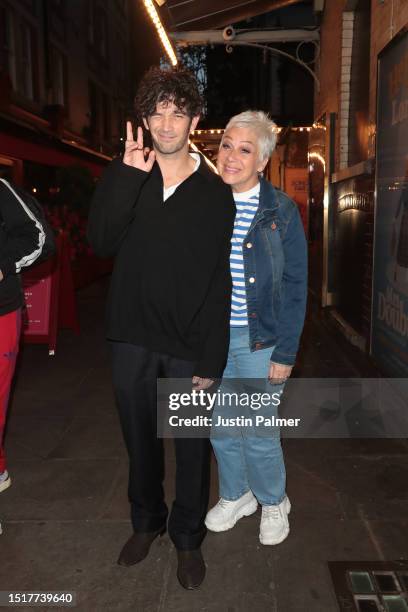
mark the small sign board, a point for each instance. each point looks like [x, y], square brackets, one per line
[50, 298]
[41, 287]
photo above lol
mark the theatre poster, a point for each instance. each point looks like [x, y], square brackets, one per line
[389, 334]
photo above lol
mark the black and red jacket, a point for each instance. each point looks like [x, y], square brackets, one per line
[21, 240]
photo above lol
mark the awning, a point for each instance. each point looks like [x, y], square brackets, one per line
[59, 154]
[206, 14]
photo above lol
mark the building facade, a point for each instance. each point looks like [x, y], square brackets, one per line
[64, 86]
[345, 151]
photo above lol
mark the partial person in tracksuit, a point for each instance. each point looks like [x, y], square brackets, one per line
[21, 241]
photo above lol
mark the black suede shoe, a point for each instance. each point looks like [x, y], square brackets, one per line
[137, 547]
[191, 568]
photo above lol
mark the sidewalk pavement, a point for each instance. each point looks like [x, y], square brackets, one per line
[66, 515]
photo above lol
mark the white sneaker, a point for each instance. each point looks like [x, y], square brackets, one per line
[5, 480]
[274, 523]
[226, 513]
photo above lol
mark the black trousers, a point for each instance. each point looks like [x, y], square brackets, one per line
[135, 373]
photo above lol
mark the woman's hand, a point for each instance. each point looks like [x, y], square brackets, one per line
[135, 155]
[200, 384]
[278, 373]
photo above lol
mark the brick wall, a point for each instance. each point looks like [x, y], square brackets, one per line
[358, 124]
[347, 27]
[329, 69]
[387, 19]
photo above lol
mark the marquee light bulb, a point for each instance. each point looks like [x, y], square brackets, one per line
[151, 9]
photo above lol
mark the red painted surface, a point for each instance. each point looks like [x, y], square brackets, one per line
[50, 299]
[41, 154]
[37, 294]
[296, 186]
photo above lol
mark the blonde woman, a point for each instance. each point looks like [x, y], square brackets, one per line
[269, 274]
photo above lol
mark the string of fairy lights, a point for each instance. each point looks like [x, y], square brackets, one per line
[305, 128]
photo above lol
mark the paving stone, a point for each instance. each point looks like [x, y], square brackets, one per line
[308, 488]
[371, 486]
[302, 574]
[390, 537]
[91, 438]
[66, 515]
[81, 556]
[34, 437]
[58, 489]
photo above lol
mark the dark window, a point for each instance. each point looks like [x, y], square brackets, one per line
[29, 5]
[100, 114]
[59, 77]
[59, 6]
[19, 54]
[102, 35]
[8, 46]
[26, 84]
[93, 111]
[121, 4]
[121, 66]
[106, 128]
[91, 22]
[120, 121]
[97, 30]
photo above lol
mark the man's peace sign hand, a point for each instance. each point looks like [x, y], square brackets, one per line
[135, 155]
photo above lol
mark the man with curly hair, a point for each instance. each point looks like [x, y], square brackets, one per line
[167, 219]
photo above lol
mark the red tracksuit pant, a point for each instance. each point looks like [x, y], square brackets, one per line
[10, 325]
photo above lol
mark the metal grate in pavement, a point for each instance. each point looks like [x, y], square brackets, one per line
[370, 586]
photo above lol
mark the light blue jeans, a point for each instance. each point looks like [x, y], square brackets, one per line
[246, 460]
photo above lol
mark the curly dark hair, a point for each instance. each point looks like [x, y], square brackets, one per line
[176, 85]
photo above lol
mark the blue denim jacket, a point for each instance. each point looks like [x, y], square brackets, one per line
[275, 265]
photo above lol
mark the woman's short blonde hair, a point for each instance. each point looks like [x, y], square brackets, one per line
[262, 125]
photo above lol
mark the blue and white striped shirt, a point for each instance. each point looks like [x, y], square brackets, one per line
[247, 204]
